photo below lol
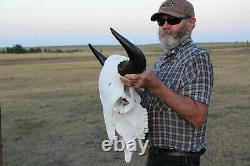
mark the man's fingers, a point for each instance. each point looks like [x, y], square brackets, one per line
[134, 80]
[132, 76]
[126, 81]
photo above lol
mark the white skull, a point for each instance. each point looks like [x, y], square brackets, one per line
[121, 106]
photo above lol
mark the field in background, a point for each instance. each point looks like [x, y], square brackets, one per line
[51, 113]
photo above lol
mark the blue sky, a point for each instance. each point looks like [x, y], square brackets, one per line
[78, 22]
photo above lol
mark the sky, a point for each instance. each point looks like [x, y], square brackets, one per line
[79, 22]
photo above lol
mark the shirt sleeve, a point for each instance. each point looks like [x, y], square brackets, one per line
[197, 79]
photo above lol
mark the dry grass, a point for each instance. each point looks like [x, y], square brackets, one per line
[52, 114]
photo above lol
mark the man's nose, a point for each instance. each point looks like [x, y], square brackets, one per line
[166, 25]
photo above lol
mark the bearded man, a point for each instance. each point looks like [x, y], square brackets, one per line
[177, 91]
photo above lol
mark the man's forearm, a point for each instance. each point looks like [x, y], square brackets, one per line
[189, 109]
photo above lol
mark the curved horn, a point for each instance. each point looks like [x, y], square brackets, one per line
[137, 60]
[101, 58]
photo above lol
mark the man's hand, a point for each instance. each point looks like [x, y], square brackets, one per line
[147, 79]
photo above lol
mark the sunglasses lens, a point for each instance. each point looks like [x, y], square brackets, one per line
[170, 21]
[161, 22]
[174, 20]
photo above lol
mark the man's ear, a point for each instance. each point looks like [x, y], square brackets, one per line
[191, 23]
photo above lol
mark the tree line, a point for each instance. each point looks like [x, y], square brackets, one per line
[19, 49]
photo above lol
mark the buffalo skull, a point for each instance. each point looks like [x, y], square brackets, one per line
[122, 111]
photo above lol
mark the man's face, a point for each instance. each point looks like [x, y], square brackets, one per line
[171, 36]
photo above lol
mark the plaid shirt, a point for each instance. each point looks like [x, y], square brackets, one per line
[188, 71]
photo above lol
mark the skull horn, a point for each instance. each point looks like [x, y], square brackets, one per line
[137, 60]
[98, 55]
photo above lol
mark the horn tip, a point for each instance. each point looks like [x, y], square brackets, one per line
[113, 31]
[89, 45]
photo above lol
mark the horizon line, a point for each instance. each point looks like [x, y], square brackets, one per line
[79, 45]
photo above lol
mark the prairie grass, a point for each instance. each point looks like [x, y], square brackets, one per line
[51, 113]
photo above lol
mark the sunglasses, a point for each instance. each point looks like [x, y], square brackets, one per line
[170, 20]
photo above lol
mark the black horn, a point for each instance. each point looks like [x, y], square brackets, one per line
[137, 60]
[101, 58]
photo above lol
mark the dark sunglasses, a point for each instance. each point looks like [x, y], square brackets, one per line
[170, 20]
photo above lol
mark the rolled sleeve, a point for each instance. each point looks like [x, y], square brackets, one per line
[197, 82]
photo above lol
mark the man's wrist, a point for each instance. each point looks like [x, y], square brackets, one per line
[155, 86]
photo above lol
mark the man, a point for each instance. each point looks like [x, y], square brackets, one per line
[177, 91]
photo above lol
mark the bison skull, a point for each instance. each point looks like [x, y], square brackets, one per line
[122, 111]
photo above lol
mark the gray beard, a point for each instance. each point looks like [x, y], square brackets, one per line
[170, 40]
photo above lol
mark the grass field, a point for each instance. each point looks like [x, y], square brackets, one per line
[52, 116]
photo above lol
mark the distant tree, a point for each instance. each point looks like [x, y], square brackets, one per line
[31, 50]
[18, 49]
[48, 50]
[35, 50]
[8, 50]
[38, 49]
[58, 50]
